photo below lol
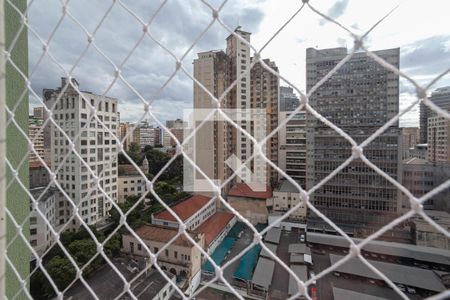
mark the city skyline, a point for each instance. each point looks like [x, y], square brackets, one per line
[418, 49]
[126, 181]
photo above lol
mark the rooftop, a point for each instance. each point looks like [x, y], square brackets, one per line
[128, 170]
[263, 272]
[162, 234]
[411, 276]
[427, 254]
[272, 248]
[302, 273]
[243, 190]
[415, 161]
[342, 294]
[37, 193]
[299, 248]
[273, 236]
[287, 187]
[214, 225]
[184, 209]
[38, 164]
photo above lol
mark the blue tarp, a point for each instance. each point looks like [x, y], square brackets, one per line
[247, 264]
[221, 251]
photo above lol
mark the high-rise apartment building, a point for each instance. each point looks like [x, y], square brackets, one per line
[288, 99]
[439, 97]
[438, 139]
[36, 135]
[292, 137]
[129, 133]
[95, 144]
[218, 141]
[210, 143]
[146, 134]
[292, 146]
[264, 87]
[359, 98]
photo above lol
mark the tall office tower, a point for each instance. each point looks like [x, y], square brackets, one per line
[438, 139]
[95, 144]
[292, 137]
[239, 59]
[157, 134]
[177, 123]
[210, 146]
[264, 95]
[129, 133]
[288, 99]
[218, 141]
[146, 134]
[36, 135]
[359, 98]
[441, 98]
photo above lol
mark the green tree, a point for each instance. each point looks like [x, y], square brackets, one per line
[61, 271]
[134, 218]
[82, 250]
[134, 152]
[112, 247]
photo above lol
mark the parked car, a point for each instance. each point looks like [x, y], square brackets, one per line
[337, 274]
[313, 293]
[302, 238]
[410, 290]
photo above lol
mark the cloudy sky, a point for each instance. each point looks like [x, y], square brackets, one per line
[419, 28]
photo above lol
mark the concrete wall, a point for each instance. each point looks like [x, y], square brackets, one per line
[17, 200]
[254, 210]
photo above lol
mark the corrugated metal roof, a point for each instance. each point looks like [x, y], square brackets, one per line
[272, 248]
[302, 273]
[263, 272]
[427, 254]
[299, 248]
[411, 276]
[273, 236]
[341, 294]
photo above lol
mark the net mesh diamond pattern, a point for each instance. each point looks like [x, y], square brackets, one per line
[179, 66]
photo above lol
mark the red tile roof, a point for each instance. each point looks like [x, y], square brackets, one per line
[163, 234]
[243, 190]
[214, 225]
[127, 170]
[37, 164]
[184, 209]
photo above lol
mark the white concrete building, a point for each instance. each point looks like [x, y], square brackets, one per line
[286, 196]
[180, 257]
[292, 146]
[438, 139]
[200, 214]
[147, 134]
[95, 144]
[427, 235]
[40, 232]
[192, 212]
[36, 135]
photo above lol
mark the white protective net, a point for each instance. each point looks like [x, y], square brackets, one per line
[179, 63]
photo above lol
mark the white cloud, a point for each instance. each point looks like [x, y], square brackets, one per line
[181, 21]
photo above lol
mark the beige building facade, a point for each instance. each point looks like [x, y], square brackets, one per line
[180, 258]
